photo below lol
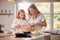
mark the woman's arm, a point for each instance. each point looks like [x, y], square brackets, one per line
[43, 24]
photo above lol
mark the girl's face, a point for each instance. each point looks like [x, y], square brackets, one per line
[22, 15]
[32, 11]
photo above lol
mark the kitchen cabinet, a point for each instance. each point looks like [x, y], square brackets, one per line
[55, 36]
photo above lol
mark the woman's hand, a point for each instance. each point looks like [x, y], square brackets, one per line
[31, 24]
[41, 24]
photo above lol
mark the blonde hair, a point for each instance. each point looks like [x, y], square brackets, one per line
[19, 13]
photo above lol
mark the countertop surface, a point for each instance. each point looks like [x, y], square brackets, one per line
[4, 36]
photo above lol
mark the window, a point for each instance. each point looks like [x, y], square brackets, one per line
[56, 15]
[44, 8]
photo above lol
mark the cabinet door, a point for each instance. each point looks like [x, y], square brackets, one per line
[55, 37]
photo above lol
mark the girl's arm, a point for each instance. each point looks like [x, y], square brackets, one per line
[15, 24]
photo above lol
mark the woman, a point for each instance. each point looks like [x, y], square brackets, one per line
[37, 19]
[21, 25]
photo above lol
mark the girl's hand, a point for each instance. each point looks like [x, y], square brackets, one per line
[17, 26]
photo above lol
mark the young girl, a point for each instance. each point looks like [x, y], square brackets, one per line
[20, 24]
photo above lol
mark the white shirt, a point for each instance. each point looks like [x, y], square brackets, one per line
[40, 18]
[19, 21]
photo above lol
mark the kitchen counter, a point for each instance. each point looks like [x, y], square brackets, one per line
[10, 37]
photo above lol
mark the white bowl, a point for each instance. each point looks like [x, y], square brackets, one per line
[35, 33]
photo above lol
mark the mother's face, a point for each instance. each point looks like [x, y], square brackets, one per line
[32, 11]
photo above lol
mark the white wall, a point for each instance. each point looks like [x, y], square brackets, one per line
[5, 19]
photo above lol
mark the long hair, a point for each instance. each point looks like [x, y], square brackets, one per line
[19, 13]
[34, 7]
